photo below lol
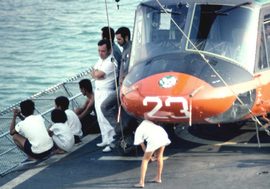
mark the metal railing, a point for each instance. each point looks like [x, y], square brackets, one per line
[10, 155]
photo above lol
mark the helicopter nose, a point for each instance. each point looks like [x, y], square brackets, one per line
[175, 97]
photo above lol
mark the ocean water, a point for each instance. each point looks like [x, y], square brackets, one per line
[44, 42]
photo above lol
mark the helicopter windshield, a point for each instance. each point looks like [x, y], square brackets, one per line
[154, 31]
[224, 31]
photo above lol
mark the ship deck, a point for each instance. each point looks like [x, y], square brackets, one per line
[199, 157]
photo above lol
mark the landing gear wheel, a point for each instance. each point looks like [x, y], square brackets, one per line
[124, 145]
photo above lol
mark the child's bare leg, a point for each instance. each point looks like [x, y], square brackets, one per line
[159, 154]
[146, 158]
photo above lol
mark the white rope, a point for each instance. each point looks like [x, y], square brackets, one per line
[112, 54]
[257, 134]
[115, 75]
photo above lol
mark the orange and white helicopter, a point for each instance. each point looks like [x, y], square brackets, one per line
[199, 62]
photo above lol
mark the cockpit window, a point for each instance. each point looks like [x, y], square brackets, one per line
[220, 31]
[155, 32]
[264, 50]
[223, 31]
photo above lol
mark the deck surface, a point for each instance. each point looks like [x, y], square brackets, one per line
[202, 157]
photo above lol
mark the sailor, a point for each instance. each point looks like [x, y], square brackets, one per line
[123, 39]
[109, 106]
[108, 33]
[103, 73]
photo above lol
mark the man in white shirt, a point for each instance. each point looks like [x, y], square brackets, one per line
[30, 135]
[104, 75]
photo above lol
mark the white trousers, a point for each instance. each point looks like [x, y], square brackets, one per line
[107, 131]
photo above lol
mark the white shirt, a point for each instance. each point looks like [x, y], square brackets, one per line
[107, 67]
[34, 129]
[154, 135]
[74, 123]
[62, 136]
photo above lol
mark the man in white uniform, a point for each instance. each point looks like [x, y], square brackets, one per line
[103, 73]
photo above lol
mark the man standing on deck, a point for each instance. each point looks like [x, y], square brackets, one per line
[109, 106]
[108, 33]
[123, 39]
[103, 73]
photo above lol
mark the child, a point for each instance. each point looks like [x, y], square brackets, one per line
[156, 138]
[60, 132]
[73, 120]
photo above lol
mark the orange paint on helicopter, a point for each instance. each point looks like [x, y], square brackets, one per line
[172, 102]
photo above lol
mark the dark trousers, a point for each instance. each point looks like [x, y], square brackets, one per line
[109, 109]
[90, 125]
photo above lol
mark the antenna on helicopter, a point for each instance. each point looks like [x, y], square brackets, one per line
[117, 1]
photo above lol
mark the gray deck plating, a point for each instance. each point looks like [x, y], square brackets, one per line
[189, 164]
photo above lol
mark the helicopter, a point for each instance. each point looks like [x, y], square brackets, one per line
[199, 62]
